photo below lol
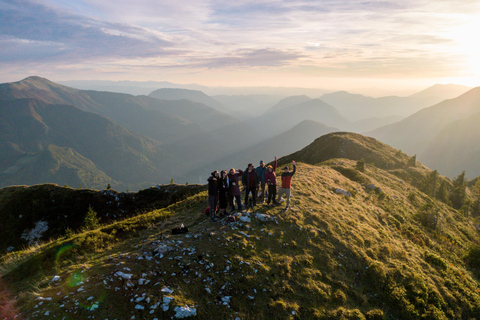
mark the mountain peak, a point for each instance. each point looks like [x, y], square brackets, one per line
[351, 146]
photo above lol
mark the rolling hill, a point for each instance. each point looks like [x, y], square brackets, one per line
[456, 148]
[51, 141]
[185, 94]
[181, 127]
[344, 251]
[358, 107]
[415, 133]
[292, 113]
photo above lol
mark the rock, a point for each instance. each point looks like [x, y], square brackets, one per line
[167, 290]
[264, 217]
[341, 191]
[126, 276]
[245, 219]
[166, 302]
[184, 312]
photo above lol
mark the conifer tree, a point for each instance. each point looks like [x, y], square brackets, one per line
[412, 162]
[430, 183]
[458, 193]
[442, 193]
[91, 220]
[476, 202]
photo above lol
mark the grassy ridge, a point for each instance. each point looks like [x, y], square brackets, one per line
[368, 256]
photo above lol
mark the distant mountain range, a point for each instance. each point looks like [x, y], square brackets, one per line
[358, 107]
[58, 134]
[444, 136]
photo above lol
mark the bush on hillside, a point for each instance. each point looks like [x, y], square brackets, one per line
[428, 215]
[473, 258]
[91, 220]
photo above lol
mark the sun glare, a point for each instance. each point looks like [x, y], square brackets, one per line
[467, 46]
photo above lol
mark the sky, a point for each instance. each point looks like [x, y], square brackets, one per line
[332, 44]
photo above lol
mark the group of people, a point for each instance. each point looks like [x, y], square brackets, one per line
[224, 188]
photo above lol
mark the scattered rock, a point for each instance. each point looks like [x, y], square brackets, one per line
[341, 191]
[184, 312]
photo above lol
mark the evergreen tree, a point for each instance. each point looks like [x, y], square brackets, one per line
[476, 202]
[91, 220]
[412, 162]
[442, 193]
[429, 185]
[458, 193]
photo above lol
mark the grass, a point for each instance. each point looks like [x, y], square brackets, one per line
[329, 257]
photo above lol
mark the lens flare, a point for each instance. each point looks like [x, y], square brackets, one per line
[76, 279]
[7, 309]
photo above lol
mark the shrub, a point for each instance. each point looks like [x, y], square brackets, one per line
[91, 220]
[428, 215]
[360, 165]
[473, 257]
[375, 314]
[435, 260]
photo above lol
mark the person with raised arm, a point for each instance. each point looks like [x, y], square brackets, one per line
[285, 189]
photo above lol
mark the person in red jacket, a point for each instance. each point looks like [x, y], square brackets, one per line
[271, 181]
[286, 184]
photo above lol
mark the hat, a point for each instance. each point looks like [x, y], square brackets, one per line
[261, 161]
[285, 168]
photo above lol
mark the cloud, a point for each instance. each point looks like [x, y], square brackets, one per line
[253, 58]
[330, 37]
[43, 33]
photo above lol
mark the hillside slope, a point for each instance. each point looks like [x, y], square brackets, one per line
[372, 254]
[415, 133]
[30, 126]
[456, 148]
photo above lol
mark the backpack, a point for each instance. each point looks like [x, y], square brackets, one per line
[180, 230]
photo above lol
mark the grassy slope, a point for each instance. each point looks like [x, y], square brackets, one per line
[330, 256]
[22, 207]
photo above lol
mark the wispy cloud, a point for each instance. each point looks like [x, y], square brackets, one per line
[330, 38]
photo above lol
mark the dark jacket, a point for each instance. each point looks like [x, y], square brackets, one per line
[212, 186]
[233, 180]
[246, 178]
[271, 177]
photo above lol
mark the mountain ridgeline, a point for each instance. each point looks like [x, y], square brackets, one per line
[364, 239]
[57, 134]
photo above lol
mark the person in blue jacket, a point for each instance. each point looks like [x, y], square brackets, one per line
[261, 170]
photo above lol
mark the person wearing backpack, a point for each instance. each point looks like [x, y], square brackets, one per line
[271, 181]
[286, 184]
[213, 193]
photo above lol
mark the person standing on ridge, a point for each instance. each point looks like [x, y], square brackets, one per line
[234, 188]
[261, 170]
[251, 182]
[271, 181]
[286, 184]
[223, 194]
[213, 193]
